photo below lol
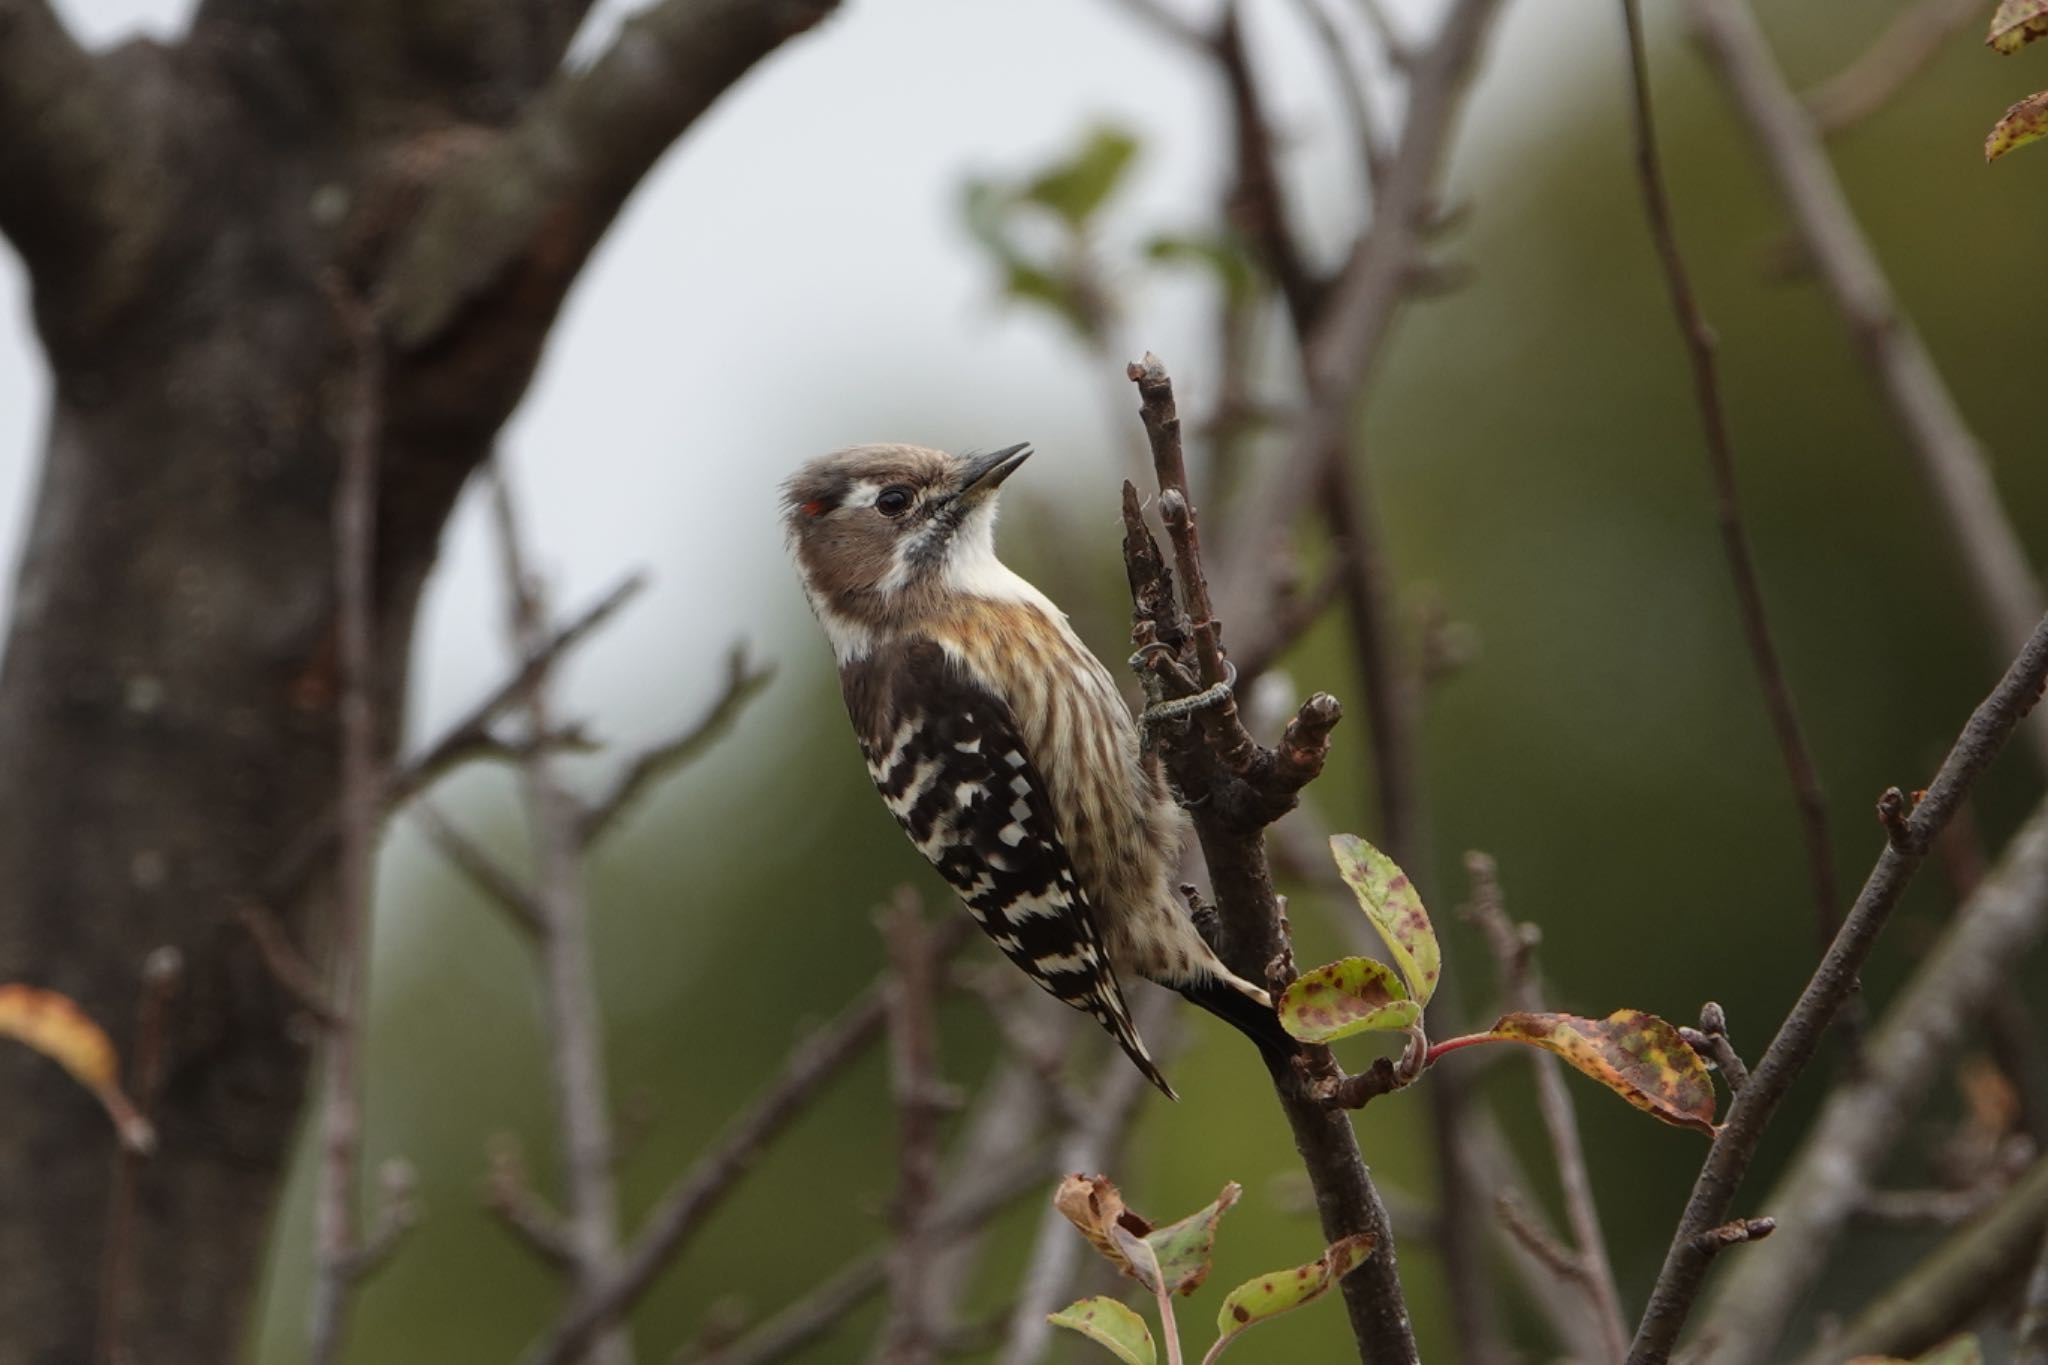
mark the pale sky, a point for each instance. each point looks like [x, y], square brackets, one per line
[794, 277]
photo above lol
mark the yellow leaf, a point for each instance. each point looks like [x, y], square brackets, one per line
[1283, 1291]
[54, 1025]
[2017, 23]
[2025, 122]
[1638, 1056]
[1112, 1325]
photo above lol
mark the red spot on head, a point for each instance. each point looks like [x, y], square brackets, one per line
[815, 507]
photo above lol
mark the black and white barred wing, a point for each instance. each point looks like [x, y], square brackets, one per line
[947, 757]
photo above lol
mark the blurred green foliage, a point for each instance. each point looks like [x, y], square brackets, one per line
[1534, 447]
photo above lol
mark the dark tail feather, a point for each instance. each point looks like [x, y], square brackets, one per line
[1113, 1017]
[1255, 1021]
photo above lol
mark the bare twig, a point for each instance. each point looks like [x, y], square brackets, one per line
[1800, 769]
[355, 532]
[574, 1030]
[2003, 586]
[285, 963]
[682, 1208]
[1711, 1041]
[1685, 1264]
[1234, 788]
[911, 1333]
[1938, 1296]
[1341, 353]
[512, 1199]
[483, 869]
[743, 682]
[1865, 1117]
[978, 1190]
[1092, 1144]
[1902, 50]
[469, 737]
[161, 971]
[1511, 946]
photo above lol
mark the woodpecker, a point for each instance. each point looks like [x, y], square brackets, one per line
[997, 740]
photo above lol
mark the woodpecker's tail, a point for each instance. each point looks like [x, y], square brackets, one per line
[1254, 1020]
[1108, 1011]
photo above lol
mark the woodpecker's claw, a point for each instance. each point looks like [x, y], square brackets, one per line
[1179, 708]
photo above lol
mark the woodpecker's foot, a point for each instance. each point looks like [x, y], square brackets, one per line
[1180, 708]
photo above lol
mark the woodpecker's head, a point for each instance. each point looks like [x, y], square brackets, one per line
[884, 534]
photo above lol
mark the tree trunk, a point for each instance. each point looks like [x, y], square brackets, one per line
[199, 220]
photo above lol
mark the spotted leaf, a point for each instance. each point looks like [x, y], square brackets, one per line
[1638, 1056]
[1095, 1205]
[2016, 23]
[1282, 1291]
[1110, 1324]
[1351, 995]
[1389, 901]
[1183, 1249]
[2025, 122]
[54, 1025]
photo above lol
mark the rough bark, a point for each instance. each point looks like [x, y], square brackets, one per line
[168, 696]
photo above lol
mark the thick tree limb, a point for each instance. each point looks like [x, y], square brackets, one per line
[1865, 1117]
[545, 191]
[2003, 586]
[72, 191]
[1685, 1264]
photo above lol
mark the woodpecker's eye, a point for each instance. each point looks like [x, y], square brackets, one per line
[894, 501]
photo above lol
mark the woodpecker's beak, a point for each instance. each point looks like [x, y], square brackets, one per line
[983, 474]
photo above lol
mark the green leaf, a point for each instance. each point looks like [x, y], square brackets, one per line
[1222, 256]
[1077, 187]
[1183, 1249]
[2025, 122]
[1389, 901]
[2017, 23]
[1351, 995]
[1638, 1056]
[1282, 1291]
[1109, 1323]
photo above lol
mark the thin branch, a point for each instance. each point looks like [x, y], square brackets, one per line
[1866, 1116]
[1711, 1041]
[979, 1197]
[911, 1333]
[1233, 788]
[716, 1173]
[510, 1195]
[540, 196]
[1349, 73]
[285, 963]
[1902, 50]
[2002, 584]
[743, 682]
[1685, 1265]
[469, 737]
[1511, 945]
[1092, 1144]
[1800, 769]
[1964, 1274]
[574, 1029]
[482, 868]
[355, 542]
[1341, 354]
[161, 973]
